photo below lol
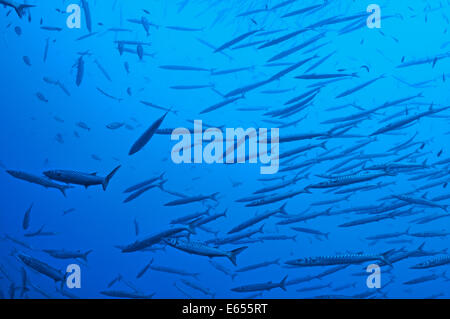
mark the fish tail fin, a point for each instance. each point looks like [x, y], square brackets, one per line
[407, 230]
[324, 145]
[84, 257]
[62, 189]
[233, 276]
[260, 230]
[283, 283]
[191, 229]
[282, 209]
[385, 255]
[232, 254]
[161, 184]
[19, 9]
[108, 178]
[214, 196]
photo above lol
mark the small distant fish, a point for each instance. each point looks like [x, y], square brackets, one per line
[26, 218]
[41, 97]
[146, 136]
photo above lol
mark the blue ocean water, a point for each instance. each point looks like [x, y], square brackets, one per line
[45, 128]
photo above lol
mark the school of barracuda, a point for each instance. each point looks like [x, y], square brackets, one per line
[363, 169]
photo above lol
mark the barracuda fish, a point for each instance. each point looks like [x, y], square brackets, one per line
[235, 237]
[235, 40]
[219, 105]
[439, 261]
[189, 200]
[277, 237]
[282, 39]
[26, 218]
[256, 219]
[311, 231]
[425, 278]
[43, 181]
[261, 287]
[339, 259]
[324, 76]
[429, 234]
[401, 123]
[296, 48]
[42, 267]
[142, 190]
[79, 178]
[388, 235]
[223, 269]
[190, 217]
[80, 71]
[259, 265]
[302, 10]
[199, 248]
[317, 287]
[66, 254]
[171, 270]
[198, 287]
[375, 218]
[125, 294]
[304, 217]
[349, 179]
[183, 68]
[277, 198]
[150, 240]
[420, 201]
[146, 136]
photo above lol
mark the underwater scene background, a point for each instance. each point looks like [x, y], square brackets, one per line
[362, 115]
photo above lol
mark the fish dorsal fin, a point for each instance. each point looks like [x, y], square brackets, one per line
[424, 196]
[93, 174]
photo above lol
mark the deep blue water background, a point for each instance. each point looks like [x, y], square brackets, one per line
[418, 29]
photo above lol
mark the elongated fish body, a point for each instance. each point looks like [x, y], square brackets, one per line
[42, 267]
[421, 201]
[190, 217]
[43, 181]
[199, 248]
[146, 136]
[141, 191]
[347, 180]
[193, 199]
[262, 286]
[236, 236]
[87, 13]
[335, 260]
[150, 240]
[79, 178]
[303, 217]
[235, 40]
[66, 254]
[256, 219]
[171, 270]
[125, 294]
[80, 71]
[421, 279]
[259, 265]
[277, 198]
[26, 218]
[439, 261]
